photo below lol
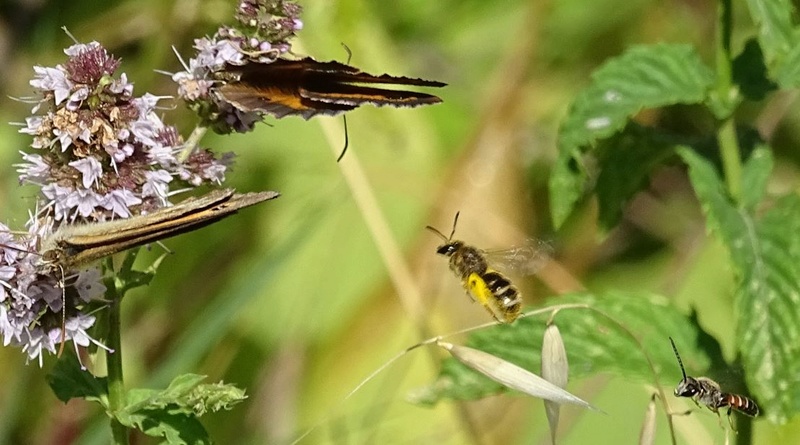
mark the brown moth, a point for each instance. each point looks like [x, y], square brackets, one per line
[72, 246]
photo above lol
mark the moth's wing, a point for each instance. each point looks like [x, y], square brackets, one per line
[355, 95]
[78, 232]
[95, 241]
[523, 259]
[307, 87]
[278, 101]
[337, 83]
[193, 214]
[342, 73]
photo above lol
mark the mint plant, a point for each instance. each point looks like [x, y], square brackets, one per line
[606, 154]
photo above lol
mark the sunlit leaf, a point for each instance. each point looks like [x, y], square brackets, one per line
[644, 77]
[173, 413]
[778, 38]
[765, 254]
[755, 174]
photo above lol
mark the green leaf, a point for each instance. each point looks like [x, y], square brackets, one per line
[68, 380]
[778, 39]
[769, 310]
[766, 258]
[627, 161]
[787, 73]
[755, 174]
[597, 339]
[178, 429]
[644, 77]
[187, 395]
[172, 413]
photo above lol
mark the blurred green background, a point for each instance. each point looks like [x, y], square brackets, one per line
[300, 299]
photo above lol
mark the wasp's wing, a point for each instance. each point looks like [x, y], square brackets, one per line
[524, 259]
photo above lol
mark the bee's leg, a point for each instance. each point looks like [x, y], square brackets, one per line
[489, 310]
[730, 421]
[719, 418]
[467, 284]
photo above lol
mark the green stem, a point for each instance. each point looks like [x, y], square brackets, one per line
[731, 158]
[744, 429]
[116, 383]
[726, 133]
[729, 147]
[723, 49]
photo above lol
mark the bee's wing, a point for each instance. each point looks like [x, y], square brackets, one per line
[523, 259]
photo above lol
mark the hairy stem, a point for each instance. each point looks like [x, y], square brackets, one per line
[116, 383]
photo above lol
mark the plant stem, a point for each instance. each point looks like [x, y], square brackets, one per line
[731, 158]
[729, 146]
[744, 429]
[116, 385]
[726, 133]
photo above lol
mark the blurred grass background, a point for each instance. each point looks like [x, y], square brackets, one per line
[300, 299]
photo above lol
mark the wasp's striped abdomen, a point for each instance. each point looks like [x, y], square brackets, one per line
[740, 403]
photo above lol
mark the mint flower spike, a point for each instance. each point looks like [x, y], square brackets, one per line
[261, 37]
[102, 153]
[98, 153]
[32, 305]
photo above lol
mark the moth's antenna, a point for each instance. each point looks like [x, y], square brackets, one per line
[63, 312]
[349, 53]
[344, 118]
[455, 221]
[680, 362]
[346, 139]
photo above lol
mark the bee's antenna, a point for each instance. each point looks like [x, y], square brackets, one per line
[680, 362]
[441, 235]
[436, 231]
[455, 221]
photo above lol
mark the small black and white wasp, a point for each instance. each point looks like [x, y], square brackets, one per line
[704, 391]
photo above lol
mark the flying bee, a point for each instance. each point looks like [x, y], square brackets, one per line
[704, 391]
[485, 285]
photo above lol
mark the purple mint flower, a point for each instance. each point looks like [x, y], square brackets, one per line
[52, 79]
[120, 201]
[90, 169]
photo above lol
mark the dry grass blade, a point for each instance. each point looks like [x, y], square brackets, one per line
[512, 376]
[555, 369]
[648, 433]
